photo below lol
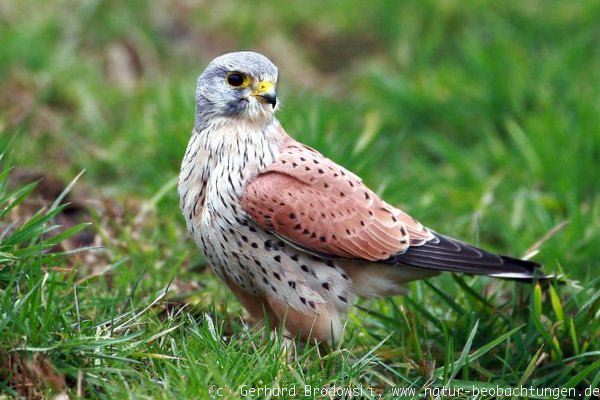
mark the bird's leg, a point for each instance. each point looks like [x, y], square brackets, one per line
[259, 310]
[288, 345]
[322, 325]
[322, 328]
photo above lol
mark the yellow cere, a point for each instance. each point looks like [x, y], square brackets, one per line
[264, 87]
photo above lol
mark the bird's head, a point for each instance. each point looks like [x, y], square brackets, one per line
[237, 85]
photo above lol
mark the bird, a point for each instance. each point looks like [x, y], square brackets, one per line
[295, 236]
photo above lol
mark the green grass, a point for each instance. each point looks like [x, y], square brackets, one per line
[481, 119]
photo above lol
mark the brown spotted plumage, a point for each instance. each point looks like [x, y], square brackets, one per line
[324, 208]
[294, 235]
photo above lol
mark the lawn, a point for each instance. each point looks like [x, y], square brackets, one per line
[481, 119]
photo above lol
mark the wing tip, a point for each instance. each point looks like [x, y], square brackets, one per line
[452, 255]
[529, 266]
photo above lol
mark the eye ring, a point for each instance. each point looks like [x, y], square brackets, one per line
[236, 79]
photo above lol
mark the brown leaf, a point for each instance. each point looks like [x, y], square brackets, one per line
[30, 376]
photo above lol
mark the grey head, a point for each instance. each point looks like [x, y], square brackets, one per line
[237, 85]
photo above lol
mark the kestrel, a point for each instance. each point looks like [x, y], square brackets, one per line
[295, 236]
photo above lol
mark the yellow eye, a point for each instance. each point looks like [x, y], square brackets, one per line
[236, 79]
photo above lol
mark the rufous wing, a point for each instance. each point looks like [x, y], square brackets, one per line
[315, 204]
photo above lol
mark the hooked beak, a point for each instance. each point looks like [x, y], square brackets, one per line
[265, 93]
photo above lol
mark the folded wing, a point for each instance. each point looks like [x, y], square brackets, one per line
[324, 209]
[314, 203]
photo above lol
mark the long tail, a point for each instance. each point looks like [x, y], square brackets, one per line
[447, 254]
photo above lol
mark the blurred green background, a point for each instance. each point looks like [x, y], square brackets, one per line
[479, 118]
